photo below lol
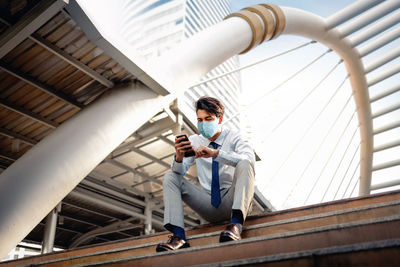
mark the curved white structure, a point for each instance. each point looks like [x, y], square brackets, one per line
[39, 180]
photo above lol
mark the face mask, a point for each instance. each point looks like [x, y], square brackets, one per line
[208, 128]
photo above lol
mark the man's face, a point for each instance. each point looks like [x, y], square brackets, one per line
[204, 115]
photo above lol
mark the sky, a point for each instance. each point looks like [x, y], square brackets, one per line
[305, 153]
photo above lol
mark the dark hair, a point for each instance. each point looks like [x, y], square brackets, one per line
[210, 104]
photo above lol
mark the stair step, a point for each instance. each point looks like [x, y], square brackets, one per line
[379, 253]
[269, 229]
[341, 211]
[352, 233]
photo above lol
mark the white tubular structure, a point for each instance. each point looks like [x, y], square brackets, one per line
[41, 178]
[309, 25]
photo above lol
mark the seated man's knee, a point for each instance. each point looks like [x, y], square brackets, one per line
[246, 163]
[171, 178]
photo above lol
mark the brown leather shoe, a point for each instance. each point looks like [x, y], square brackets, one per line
[174, 242]
[231, 233]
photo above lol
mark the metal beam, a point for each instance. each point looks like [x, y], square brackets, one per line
[28, 24]
[125, 167]
[95, 36]
[387, 127]
[11, 134]
[112, 204]
[9, 156]
[112, 228]
[162, 163]
[38, 84]
[387, 145]
[29, 114]
[71, 60]
[148, 131]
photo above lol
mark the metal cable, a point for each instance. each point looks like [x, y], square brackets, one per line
[330, 156]
[304, 98]
[310, 127]
[352, 191]
[279, 85]
[348, 168]
[351, 179]
[340, 163]
[254, 63]
[319, 147]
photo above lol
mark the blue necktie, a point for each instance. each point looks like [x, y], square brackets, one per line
[215, 192]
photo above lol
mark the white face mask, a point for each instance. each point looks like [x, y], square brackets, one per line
[208, 128]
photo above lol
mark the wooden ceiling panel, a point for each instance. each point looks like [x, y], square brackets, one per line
[47, 76]
[45, 67]
[64, 72]
[8, 117]
[61, 31]
[78, 44]
[69, 38]
[53, 108]
[38, 131]
[67, 80]
[39, 103]
[52, 24]
[91, 55]
[36, 63]
[84, 50]
[77, 84]
[31, 128]
[9, 85]
[24, 90]
[19, 124]
[26, 45]
[66, 115]
[27, 56]
[30, 96]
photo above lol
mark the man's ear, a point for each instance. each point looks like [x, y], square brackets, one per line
[220, 119]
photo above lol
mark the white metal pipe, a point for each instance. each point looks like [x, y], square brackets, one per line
[386, 110]
[43, 176]
[350, 12]
[314, 27]
[50, 231]
[394, 54]
[370, 16]
[387, 165]
[184, 66]
[387, 146]
[60, 161]
[385, 93]
[384, 75]
[386, 184]
[379, 42]
[387, 127]
[376, 29]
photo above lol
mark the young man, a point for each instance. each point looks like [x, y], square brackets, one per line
[225, 168]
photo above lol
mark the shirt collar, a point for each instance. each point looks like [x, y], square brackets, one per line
[221, 137]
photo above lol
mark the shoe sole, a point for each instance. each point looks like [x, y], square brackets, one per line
[226, 238]
[162, 249]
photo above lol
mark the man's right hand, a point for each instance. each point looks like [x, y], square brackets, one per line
[181, 147]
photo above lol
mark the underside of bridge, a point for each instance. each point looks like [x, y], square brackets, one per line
[50, 70]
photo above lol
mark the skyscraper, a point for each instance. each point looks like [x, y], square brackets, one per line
[155, 26]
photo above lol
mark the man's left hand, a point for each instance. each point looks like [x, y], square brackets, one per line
[206, 152]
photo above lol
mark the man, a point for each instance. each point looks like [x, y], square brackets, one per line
[225, 167]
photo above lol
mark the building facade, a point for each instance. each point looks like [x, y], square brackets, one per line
[155, 26]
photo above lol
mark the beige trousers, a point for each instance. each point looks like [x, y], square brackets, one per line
[178, 189]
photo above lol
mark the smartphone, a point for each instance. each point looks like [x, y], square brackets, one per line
[189, 153]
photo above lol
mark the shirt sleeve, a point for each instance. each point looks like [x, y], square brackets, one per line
[182, 167]
[241, 149]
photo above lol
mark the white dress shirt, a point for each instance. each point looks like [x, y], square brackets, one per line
[232, 146]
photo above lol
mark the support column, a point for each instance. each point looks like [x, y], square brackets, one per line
[50, 230]
[148, 213]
